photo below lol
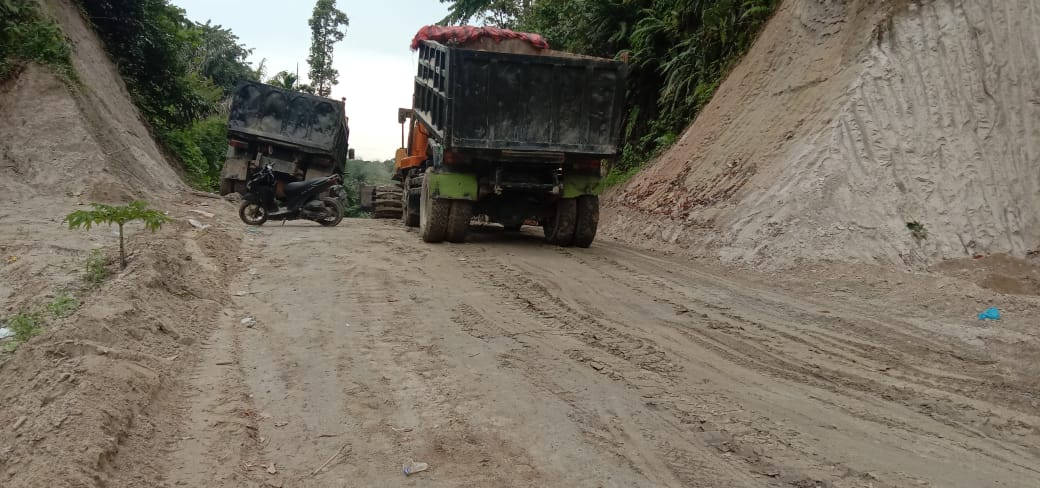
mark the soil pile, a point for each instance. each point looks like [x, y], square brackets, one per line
[850, 122]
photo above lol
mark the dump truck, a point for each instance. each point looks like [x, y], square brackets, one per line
[302, 136]
[509, 133]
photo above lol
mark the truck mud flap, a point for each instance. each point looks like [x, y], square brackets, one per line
[453, 186]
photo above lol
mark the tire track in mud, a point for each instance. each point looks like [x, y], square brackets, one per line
[391, 380]
[685, 412]
[952, 399]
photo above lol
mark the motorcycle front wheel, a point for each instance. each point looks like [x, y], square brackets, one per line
[333, 212]
[252, 213]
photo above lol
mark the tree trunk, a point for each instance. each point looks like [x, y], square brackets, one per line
[122, 248]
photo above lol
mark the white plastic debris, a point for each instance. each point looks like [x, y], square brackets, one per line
[249, 322]
[198, 225]
[5, 333]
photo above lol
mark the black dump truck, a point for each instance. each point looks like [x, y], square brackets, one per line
[509, 135]
[302, 136]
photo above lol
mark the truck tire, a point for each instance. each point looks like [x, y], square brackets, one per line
[458, 220]
[588, 220]
[433, 215]
[559, 227]
[410, 213]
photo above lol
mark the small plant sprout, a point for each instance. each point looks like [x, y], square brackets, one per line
[95, 267]
[119, 215]
[917, 230]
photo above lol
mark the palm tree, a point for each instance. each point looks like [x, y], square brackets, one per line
[284, 79]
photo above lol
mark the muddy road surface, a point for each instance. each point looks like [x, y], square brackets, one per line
[507, 362]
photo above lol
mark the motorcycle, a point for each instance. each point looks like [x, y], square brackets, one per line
[302, 200]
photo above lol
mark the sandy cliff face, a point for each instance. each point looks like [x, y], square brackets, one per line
[848, 120]
[88, 139]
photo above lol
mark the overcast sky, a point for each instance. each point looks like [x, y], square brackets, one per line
[375, 66]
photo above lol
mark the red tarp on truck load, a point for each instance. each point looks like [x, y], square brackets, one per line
[465, 34]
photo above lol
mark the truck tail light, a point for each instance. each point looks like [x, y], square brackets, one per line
[238, 144]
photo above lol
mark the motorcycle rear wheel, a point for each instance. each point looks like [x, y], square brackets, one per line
[252, 213]
[332, 207]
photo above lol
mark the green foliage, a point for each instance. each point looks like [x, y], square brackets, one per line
[328, 26]
[25, 326]
[62, 306]
[618, 176]
[178, 73]
[917, 230]
[284, 79]
[26, 35]
[359, 172]
[499, 13]
[119, 215]
[201, 147]
[678, 52]
[96, 271]
[215, 54]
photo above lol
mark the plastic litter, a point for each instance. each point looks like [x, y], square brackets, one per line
[990, 314]
[249, 322]
[5, 333]
[198, 225]
[412, 467]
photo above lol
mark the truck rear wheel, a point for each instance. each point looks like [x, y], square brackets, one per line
[588, 220]
[559, 227]
[458, 221]
[410, 213]
[433, 215]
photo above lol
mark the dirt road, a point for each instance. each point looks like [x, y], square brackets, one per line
[506, 362]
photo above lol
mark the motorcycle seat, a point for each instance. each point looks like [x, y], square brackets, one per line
[298, 187]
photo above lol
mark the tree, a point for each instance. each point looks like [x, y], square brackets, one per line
[214, 52]
[284, 79]
[498, 13]
[328, 26]
[119, 215]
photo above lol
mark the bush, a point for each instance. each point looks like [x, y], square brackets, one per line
[201, 149]
[25, 326]
[26, 35]
[62, 306]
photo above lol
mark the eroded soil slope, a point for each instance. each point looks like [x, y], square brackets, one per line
[85, 391]
[847, 121]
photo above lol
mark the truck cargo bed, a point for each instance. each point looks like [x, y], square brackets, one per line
[553, 102]
[306, 122]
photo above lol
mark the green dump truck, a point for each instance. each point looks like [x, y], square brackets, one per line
[509, 136]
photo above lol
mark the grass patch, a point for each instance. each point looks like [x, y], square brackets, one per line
[95, 267]
[63, 305]
[618, 176]
[25, 326]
